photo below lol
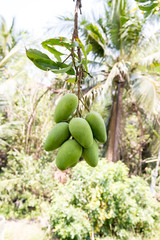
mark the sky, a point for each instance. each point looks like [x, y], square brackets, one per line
[34, 15]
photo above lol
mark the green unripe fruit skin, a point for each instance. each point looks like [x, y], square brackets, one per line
[68, 154]
[97, 125]
[81, 131]
[57, 136]
[73, 165]
[91, 154]
[65, 107]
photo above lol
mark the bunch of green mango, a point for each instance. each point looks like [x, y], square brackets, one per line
[77, 137]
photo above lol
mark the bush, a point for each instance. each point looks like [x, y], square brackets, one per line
[25, 185]
[104, 200]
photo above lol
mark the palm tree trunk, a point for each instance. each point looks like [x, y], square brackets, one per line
[113, 153]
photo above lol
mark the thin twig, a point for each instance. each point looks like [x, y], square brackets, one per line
[88, 73]
[84, 105]
[66, 58]
[84, 102]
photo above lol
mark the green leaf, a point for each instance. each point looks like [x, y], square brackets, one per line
[64, 68]
[45, 65]
[56, 53]
[157, 69]
[34, 54]
[148, 7]
[89, 49]
[77, 64]
[41, 60]
[142, 1]
[61, 41]
[71, 80]
[84, 53]
[147, 13]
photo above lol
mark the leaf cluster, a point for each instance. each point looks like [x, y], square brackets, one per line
[104, 201]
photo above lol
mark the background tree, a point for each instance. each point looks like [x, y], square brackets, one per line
[116, 39]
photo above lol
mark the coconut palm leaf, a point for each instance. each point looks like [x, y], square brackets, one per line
[146, 53]
[147, 93]
[96, 37]
[153, 58]
[7, 39]
[10, 55]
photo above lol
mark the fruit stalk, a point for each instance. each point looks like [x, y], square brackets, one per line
[79, 69]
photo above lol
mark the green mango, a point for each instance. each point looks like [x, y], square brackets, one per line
[68, 154]
[91, 154]
[73, 165]
[81, 131]
[65, 107]
[97, 125]
[58, 135]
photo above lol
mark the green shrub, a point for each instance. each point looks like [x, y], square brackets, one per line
[104, 200]
[25, 185]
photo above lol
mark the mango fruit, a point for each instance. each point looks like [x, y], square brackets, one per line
[73, 165]
[58, 135]
[65, 107]
[91, 154]
[97, 125]
[81, 131]
[68, 154]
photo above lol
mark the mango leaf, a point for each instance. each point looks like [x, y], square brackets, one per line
[84, 53]
[77, 64]
[45, 65]
[34, 54]
[41, 60]
[61, 41]
[71, 80]
[56, 53]
[64, 68]
[89, 48]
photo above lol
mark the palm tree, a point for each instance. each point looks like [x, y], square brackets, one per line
[117, 39]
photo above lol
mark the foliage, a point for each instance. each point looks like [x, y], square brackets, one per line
[44, 62]
[104, 200]
[148, 6]
[25, 184]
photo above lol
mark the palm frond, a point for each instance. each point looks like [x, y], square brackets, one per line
[108, 83]
[130, 33]
[10, 55]
[147, 93]
[95, 36]
[146, 52]
[151, 59]
[118, 11]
